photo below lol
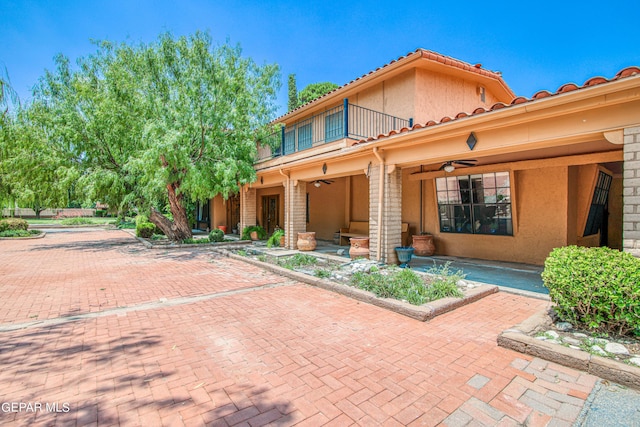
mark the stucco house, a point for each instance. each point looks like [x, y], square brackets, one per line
[447, 148]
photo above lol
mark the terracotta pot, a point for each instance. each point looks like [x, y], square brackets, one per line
[223, 228]
[254, 235]
[307, 241]
[359, 247]
[282, 242]
[423, 244]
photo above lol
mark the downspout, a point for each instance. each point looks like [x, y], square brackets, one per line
[421, 208]
[380, 199]
[287, 214]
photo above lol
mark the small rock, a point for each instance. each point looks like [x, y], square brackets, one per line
[598, 350]
[616, 348]
[580, 335]
[571, 341]
[553, 334]
[601, 341]
[635, 360]
[575, 347]
[340, 252]
[541, 338]
[554, 341]
[462, 283]
[564, 326]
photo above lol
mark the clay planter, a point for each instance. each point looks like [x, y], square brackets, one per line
[282, 242]
[254, 235]
[359, 247]
[423, 245]
[223, 228]
[307, 241]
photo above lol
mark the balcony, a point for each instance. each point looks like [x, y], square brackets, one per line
[347, 121]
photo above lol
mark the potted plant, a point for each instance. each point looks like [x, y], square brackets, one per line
[254, 232]
[276, 239]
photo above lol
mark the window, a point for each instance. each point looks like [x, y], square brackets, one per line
[333, 128]
[475, 204]
[598, 204]
[289, 141]
[304, 136]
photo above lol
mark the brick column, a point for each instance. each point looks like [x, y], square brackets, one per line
[391, 230]
[631, 192]
[295, 211]
[247, 207]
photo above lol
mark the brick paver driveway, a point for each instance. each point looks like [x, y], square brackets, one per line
[97, 330]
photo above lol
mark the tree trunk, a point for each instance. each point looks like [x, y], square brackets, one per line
[179, 229]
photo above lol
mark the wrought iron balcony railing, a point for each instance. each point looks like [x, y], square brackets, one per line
[344, 121]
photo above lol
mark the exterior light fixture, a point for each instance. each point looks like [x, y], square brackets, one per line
[449, 168]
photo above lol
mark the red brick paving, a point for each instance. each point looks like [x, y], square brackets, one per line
[287, 355]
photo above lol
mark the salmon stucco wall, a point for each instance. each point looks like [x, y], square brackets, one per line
[326, 208]
[394, 96]
[439, 95]
[540, 224]
[359, 198]
[218, 212]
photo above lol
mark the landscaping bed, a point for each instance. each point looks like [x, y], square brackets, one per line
[369, 281]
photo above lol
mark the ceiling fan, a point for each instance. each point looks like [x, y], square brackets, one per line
[450, 165]
[318, 182]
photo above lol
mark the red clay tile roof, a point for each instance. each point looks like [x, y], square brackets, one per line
[427, 54]
[569, 87]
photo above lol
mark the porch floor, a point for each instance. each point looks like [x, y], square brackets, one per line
[509, 275]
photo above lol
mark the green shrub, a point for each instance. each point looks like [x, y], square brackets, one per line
[13, 224]
[274, 240]
[101, 213]
[246, 233]
[216, 235]
[78, 220]
[140, 219]
[145, 229]
[595, 288]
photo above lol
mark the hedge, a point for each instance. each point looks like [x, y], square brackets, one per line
[595, 288]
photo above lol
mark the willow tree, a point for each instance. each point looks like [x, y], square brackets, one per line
[162, 124]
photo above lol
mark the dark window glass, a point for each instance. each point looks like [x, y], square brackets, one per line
[475, 204]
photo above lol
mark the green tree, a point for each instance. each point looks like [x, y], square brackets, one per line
[35, 168]
[161, 124]
[8, 97]
[314, 91]
[293, 93]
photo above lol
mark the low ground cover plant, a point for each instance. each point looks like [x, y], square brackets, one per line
[19, 233]
[597, 289]
[404, 284]
[78, 220]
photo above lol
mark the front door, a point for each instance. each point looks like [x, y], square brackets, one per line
[270, 213]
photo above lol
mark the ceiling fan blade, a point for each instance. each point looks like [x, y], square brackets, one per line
[326, 181]
[443, 165]
[465, 162]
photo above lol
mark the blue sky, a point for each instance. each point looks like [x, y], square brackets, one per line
[536, 45]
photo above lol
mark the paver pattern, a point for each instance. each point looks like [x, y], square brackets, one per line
[245, 347]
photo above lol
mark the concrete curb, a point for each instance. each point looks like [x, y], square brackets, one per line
[422, 313]
[105, 226]
[518, 339]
